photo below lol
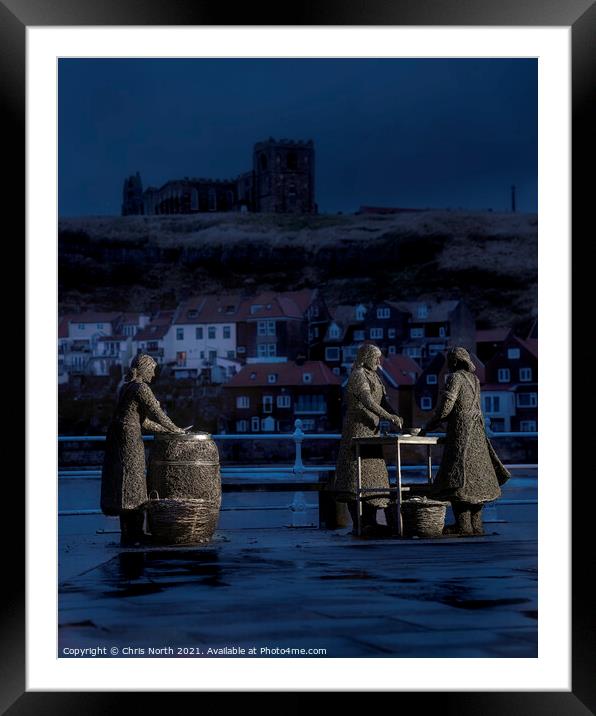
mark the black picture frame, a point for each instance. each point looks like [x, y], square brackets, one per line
[580, 16]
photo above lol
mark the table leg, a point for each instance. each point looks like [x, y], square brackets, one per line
[400, 528]
[359, 492]
[429, 465]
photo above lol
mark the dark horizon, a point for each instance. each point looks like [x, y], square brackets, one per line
[412, 133]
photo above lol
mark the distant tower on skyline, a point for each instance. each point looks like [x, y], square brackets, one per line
[284, 176]
[132, 195]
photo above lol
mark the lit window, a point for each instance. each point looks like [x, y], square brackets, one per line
[243, 401]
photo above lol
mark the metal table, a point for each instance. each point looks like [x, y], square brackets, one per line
[397, 441]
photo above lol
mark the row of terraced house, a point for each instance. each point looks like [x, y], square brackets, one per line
[282, 356]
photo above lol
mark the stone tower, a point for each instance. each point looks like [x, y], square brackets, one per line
[132, 195]
[284, 172]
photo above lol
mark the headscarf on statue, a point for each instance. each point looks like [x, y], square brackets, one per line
[367, 357]
[140, 369]
[458, 358]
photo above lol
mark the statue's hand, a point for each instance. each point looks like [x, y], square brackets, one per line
[397, 421]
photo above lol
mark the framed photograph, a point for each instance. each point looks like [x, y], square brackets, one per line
[249, 205]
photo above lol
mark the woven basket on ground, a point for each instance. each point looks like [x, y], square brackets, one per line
[423, 517]
[181, 521]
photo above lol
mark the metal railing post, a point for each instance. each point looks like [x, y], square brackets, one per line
[298, 437]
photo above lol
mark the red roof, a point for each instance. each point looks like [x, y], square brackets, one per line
[158, 327]
[209, 309]
[291, 304]
[63, 326]
[403, 369]
[94, 317]
[257, 374]
[492, 335]
[530, 344]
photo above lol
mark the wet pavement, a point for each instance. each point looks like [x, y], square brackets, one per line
[276, 587]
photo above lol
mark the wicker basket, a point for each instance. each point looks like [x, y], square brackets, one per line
[180, 521]
[423, 517]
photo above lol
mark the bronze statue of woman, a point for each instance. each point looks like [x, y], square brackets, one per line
[470, 473]
[123, 480]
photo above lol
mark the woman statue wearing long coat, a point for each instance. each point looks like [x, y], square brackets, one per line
[123, 481]
[367, 404]
[470, 473]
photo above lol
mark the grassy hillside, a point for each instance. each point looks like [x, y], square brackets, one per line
[142, 263]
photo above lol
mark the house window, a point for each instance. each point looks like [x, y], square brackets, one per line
[272, 378]
[442, 331]
[199, 333]
[527, 426]
[241, 426]
[255, 308]
[265, 350]
[308, 425]
[426, 403]
[311, 404]
[227, 331]
[211, 332]
[391, 350]
[81, 326]
[422, 311]
[383, 313]
[202, 354]
[503, 376]
[307, 377]
[391, 333]
[334, 331]
[243, 401]
[376, 332]
[100, 326]
[358, 335]
[492, 404]
[527, 400]
[336, 371]
[413, 352]
[283, 401]
[431, 379]
[241, 349]
[360, 313]
[267, 403]
[434, 348]
[231, 354]
[513, 353]
[181, 358]
[268, 424]
[262, 328]
[193, 313]
[416, 332]
[179, 334]
[255, 424]
[525, 374]
[331, 354]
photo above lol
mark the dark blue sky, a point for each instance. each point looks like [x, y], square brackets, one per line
[387, 132]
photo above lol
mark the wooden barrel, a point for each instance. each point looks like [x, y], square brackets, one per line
[185, 466]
